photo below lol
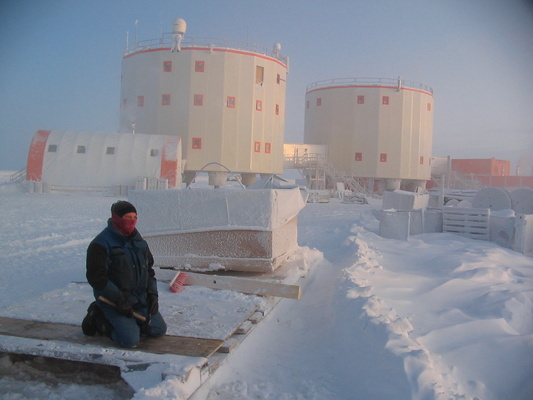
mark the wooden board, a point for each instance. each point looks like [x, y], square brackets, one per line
[180, 345]
[244, 285]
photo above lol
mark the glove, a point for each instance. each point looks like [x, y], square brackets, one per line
[124, 306]
[153, 303]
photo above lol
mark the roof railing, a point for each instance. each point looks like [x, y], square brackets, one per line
[212, 43]
[396, 82]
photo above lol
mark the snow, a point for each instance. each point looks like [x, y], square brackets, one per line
[437, 316]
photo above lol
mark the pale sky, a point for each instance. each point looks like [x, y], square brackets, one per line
[60, 60]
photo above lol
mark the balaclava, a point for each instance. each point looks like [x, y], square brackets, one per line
[118, 210]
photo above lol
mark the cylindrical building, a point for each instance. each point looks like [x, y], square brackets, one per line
[374, 128]
[225, 100]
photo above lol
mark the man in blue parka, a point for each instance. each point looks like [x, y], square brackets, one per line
[120, 271]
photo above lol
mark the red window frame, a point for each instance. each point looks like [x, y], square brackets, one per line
[421, 160]
[318, 101]
[429, 107]
[198, 100]
[358, 156]
[196, 143]
[268, 147]
[140, 101]
[360, 99]
[259, 105]
[277, 109]
[167, 66]
[385, 100]
[165, 100]
[383, 157]
[199, 66]
[230, 102]
[257, 147]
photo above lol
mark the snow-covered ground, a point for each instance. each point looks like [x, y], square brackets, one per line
[435, 317]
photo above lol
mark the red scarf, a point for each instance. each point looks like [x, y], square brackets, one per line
[124, 226]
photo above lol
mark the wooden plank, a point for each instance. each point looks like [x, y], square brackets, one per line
[244, 285]
[180, 345]
[256, 317]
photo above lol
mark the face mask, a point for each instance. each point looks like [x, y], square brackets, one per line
[125, 226]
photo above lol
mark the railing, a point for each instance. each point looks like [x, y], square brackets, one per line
[18, 176]
[396, 82]
[212, 43]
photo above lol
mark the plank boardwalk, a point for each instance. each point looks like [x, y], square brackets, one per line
[180, 345]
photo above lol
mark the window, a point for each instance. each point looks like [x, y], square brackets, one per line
[81, 150]
[198, 100]
[278, 79]
[319, 102]
[383, 157]
[196, 143]
[421, 160]
[259, 73]
[385, 100]
[360, 99]
[110, 150]
[52, 148]
[230, 102]
[259, 105]
[165, 100]
[199, 66]
[154, 152]
[140, 101]
[429, 106]
[124, 102]
[257, 147]
[358, 156]
[277, 109]
[267, 147]
[167, 66]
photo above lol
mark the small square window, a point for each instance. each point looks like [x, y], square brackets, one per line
[230, 102]
[196, 143]
[383, 157]
[358, 156]
[385, 100]
[421, 160]
[258, 105]
[140, 101]
[154, 152]
[257, 147]
[110, 150]
[199, 66]
[165, 100]
[267, 147]
[360, 99]
[319, 102]
[277, 109]
[80, 150]
[198, 99]
[52, 148]
[167, 66]
[429, 106]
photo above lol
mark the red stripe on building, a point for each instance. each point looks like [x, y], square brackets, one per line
[170, 159]
[34, 167]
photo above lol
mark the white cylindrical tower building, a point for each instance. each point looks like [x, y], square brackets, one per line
[374, 128]
[226, 101]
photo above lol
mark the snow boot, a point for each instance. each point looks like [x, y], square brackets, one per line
[95, 322]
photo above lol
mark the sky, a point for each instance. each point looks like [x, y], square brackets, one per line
[60, 61]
